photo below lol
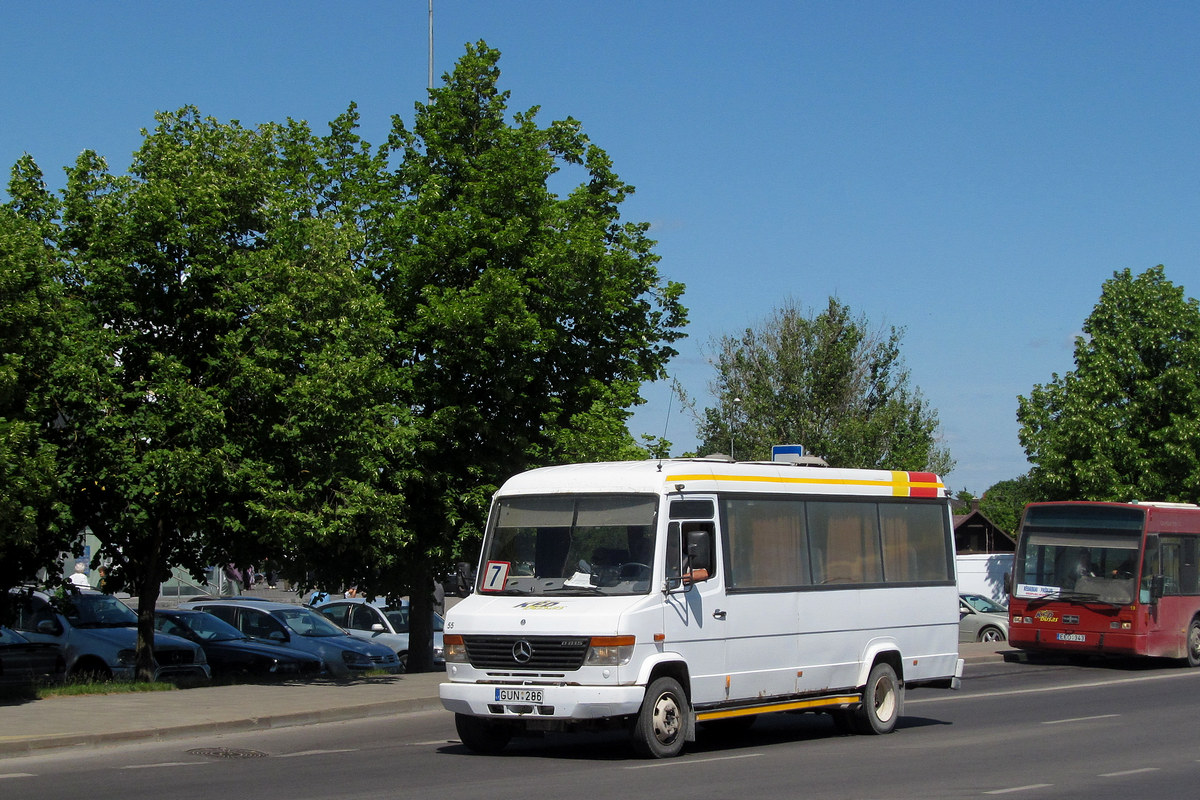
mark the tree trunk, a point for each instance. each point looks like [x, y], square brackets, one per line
[420, 624]
[147, 589]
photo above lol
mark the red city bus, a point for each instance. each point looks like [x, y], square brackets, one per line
[1108, 578]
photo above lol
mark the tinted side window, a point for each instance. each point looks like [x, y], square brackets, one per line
[845, 542]
[222, 612]
[337, 613]
[363, 618]
[259, 624]
[767, 542]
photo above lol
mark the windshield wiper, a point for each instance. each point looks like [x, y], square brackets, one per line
[572, 588]
[1070, 597]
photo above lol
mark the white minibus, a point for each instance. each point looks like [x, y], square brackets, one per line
[662, 595]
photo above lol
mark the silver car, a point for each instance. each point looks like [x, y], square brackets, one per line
[379, 622]
[981, 619]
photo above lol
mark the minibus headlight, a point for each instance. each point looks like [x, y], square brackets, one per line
[609, 651]
[454, 650]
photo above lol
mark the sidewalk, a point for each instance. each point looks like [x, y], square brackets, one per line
[93, 720]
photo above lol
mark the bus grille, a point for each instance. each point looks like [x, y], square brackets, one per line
[554, 653]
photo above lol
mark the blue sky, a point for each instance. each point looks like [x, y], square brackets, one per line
[971, 172]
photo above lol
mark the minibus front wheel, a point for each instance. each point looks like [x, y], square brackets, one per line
[482, 735]
[661, 725]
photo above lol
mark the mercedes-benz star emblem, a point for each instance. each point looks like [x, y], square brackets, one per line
[522, 651]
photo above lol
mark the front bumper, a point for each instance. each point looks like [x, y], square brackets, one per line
[557, 702]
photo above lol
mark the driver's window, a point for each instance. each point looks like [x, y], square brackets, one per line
[362, 618]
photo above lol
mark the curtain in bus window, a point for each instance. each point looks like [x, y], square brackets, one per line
[844, 538]
[914, 542]
[767, 542]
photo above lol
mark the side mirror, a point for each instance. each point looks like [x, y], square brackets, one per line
[464, 579]
[699, 556]
[1158, 587]
[378, 628]
[49, 627]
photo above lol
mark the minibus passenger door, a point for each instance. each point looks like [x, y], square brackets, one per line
[693, 592]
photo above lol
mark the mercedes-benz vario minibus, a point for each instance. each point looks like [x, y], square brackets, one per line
[662, 595]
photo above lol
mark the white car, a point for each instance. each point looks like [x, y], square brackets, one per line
[379, 622]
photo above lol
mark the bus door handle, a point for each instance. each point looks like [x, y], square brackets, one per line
[718, 614]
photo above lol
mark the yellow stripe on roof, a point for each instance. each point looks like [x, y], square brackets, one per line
[899, 483]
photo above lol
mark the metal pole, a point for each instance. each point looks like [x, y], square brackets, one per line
[431, 45]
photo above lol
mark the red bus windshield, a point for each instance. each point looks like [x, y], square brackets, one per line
[1079, 552]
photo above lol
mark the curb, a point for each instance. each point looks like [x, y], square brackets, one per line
[26, 746]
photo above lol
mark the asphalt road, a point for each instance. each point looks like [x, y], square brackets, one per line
[1112, 730]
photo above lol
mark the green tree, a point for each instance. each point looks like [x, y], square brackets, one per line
[524, 311]
[1125, 423]
[1004, 501]
[35, 318]
[238, 409]
[827, 381]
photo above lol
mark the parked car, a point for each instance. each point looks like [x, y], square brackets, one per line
[301, 628]
[26, 663]
[231, 652]
[379, 622]
[97, 636]
[981, 619]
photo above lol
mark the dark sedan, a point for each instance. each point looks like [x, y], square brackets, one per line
[26, 663]
[230, 652]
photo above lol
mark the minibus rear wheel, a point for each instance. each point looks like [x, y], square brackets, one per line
[882, 701]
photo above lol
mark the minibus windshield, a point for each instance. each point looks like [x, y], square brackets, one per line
[570, 544]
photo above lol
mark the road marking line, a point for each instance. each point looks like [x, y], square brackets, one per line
[316, 752]
[167, 764]
[690, 761]
[18, 775]
[1077, 719]
[1044, 689]
[1128, 772]
[1020, 788]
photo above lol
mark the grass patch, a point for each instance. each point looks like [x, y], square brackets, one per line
[102, 687]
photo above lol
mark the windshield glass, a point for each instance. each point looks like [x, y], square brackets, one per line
[307, 622]
[1086, 553]
[86, 610]
[570, 544]
[208, 628]
[983, 604]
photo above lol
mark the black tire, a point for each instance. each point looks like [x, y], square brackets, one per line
[482, 735]
[991, 634]
[403, 661]
[661, 725]
[1193, 644]
[882, 701]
